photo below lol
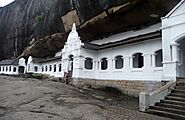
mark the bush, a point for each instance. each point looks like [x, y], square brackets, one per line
[51, 3]
[39, 18]
[36, 76]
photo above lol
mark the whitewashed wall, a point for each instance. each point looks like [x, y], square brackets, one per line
[8, 70]
[85, 73]
[173, 31]
[31, 64]
[148, 72]
[52, 73]
[73, 46]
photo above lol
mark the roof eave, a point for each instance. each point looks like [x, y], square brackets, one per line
[174, 9]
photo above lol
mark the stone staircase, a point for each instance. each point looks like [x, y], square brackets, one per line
[173, 105]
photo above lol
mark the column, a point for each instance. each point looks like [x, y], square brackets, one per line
[78, 64]
[153, 59]
[131, 61]
[171, 68]
[110, 64]
[64, 64]
[113, 64]
[99, 64]
[147, 60]
[94, 65]
[175, 51]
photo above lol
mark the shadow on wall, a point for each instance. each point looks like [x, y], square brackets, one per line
[110, 90]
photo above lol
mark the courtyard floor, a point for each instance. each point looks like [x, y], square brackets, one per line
[32, 99]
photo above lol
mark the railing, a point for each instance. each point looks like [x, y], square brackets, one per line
[149, 99]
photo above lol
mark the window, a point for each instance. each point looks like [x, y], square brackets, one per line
[158, 58]
[104, 63]
[50, 68]
[10, 68]
[3, 68]
[14, 69]
[138, 61]
[46, 68]
[35, 68]
[88, 64]
[42, 68]
[119, 62]
[0, 68]
[6, 68]
[55, 68]
[59, 67]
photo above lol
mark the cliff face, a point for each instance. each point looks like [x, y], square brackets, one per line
[23, 20]
[17, 24]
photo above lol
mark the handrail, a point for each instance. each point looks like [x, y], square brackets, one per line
[147, 99]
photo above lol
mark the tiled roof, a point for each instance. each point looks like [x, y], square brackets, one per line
[50, 59]
[139, 38]
[9, 62]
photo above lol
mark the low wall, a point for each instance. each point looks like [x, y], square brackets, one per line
[147, 99]
[128, 87]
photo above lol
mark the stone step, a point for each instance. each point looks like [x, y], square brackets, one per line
[166, 114]
[173, 105]
[178, 90]
[180, 107]
[173, 102]
[182, 80]
[180, 87]
[177, 95]
[175, 98]
[180, 84]
[172, 110]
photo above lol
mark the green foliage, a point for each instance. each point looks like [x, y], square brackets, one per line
[39, 18]
[36, 76]
[51, 3]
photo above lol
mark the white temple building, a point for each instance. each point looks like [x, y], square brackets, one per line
[13, 66]
[132, 61]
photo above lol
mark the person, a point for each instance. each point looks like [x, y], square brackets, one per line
[66, 77]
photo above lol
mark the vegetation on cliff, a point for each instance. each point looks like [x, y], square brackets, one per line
[24, 20]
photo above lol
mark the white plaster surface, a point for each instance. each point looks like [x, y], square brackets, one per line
[173, 26]
[73, 47]
[9, 69]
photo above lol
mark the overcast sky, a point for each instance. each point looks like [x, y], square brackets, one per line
[5, 2]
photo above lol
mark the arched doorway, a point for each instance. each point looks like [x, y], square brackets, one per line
[181, 52]
[70, 66]
[21, 70]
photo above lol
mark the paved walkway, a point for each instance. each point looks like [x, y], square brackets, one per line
[31, 99]
[127, 114]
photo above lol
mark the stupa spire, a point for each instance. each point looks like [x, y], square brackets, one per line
[74, 27]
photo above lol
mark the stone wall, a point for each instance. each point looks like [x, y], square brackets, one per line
[127, 87]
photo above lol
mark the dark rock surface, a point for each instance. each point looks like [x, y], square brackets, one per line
[23, 20]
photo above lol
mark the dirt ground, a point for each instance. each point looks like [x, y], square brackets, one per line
[33, 99]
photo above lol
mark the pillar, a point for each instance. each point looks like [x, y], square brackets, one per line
[171, 67]
[131, 61]
[175, 51]
[147, 60]
[153, 60]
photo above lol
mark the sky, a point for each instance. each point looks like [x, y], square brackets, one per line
[5, 2]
